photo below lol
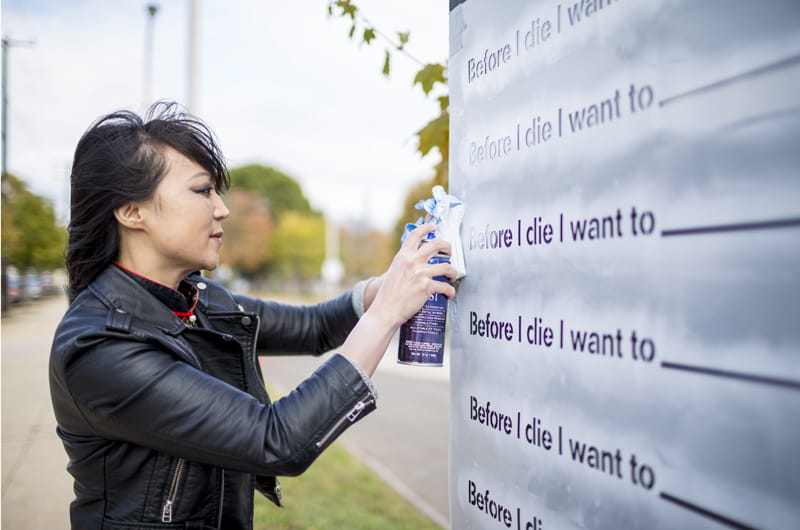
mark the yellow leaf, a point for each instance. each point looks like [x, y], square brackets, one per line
[430, 74]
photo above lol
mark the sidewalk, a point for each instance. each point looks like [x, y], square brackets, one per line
[36, 488]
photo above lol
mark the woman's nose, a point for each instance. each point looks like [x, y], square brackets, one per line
[220, 210]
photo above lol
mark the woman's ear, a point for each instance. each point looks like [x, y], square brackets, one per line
[129, 216]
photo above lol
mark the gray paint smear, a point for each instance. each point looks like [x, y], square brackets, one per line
[721, 149]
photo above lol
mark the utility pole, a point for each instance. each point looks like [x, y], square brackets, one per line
[191, 90]
[332, 267]
[7, 43]
[147, 96]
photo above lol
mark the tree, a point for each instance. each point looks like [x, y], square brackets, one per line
[298, 246]
[31, 235]
[434, 134]
[248, 234]
[364, 252]
[280, 191]
[420, 191]
[432, 79]
[291, 245]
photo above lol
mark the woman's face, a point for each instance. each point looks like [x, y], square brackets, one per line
[183, 220]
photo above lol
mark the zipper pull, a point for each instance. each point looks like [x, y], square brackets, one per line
[356, 411]
[351, 416]
[166, 514]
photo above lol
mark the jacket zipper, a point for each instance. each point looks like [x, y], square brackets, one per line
[276, 490]
[221, 496]
[166, 512]
[254, 355]
[351, 416]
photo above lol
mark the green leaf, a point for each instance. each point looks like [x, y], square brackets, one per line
[429, 75]
[444, 102]
[436, 133]
[386, 59]
[347, 8]
[352, 30]
[403, 38]
[369, 34]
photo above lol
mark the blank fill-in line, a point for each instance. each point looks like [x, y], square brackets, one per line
[758, 118]
[735, 227]
[783, 63]
[705, 512]
[774, 381]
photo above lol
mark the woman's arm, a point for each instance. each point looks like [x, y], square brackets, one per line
[131, 391]
[313, 329]
[397, 295]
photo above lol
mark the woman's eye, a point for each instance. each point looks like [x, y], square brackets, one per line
[205, 191]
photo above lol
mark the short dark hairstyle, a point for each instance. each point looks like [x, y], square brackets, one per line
[118, 160]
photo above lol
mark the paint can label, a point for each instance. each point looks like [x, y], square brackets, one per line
[422, 337]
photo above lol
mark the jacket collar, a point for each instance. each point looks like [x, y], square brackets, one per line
[181, 301]
[123, 294]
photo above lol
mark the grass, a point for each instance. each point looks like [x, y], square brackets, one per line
[338, 491]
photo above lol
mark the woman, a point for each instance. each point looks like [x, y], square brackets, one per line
[154, 377]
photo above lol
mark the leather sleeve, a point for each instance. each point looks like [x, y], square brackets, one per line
[312, 329]
[135, 392]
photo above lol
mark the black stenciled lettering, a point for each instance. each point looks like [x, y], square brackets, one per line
[642, 474]
[490, 328]
[578, 11]
[490, 61]
[539, 334]
[592, 342]
[490, 238]
[595, 114]
[486, 415]
[642, 223]
[538, 435]
[594, 228]
[491, 148]
[602, 460]
[484, 502]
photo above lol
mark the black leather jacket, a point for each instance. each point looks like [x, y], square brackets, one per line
[170, 427]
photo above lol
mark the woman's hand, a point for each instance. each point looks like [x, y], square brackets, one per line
[397, 295]
[409, 283]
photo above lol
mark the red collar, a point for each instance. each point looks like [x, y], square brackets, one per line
[182, 301]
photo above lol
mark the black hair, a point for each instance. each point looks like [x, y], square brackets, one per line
[120, 160]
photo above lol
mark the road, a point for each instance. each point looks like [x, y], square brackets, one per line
[405, 441]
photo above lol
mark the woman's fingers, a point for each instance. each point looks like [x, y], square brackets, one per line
[415, 237]
[443, 269]
[409, 282]
[444, 288]
[434, 247]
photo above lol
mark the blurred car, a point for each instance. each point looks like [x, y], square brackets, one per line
[33, 284]
[48, 283]
[12, 284]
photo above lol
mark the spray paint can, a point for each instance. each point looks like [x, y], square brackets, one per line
[422, 337]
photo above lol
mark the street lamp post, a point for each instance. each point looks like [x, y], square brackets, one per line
[191, 82]
[152, 9]
[7, 43]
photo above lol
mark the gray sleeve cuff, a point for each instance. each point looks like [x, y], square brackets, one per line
[358, 296]
[367, 380]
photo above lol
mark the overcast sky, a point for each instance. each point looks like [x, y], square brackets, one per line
[279, 83]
